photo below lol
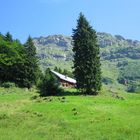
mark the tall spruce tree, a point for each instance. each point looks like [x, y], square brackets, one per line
[87, 69]
[31, 63]
[8, 37]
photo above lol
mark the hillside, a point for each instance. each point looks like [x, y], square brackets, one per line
[102, 117]
[119, 56]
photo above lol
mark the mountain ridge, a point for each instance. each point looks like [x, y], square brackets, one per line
[56, 37]
[119, 57]
[121, 46]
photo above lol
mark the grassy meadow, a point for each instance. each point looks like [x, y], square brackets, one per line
[25, 116]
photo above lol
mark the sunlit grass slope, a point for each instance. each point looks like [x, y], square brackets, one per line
[103, 117]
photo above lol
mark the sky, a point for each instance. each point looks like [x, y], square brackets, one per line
[48, 17]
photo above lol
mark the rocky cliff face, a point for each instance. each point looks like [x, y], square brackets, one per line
[117, 40]
[103, 38]
[58, 40]
[112, 47]
[119, 57]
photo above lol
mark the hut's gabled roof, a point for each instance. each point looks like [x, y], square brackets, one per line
[64, 77]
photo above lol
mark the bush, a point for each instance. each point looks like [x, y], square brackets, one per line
[3, 116]
[107, 80]
[49, 86]
[133, 88]
[8, 85]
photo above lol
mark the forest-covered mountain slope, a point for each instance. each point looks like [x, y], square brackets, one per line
[120, 57]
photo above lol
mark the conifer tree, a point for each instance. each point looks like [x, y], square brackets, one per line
[12, 60]
[8, 37]
[31, 63]
[59, 70]
[49, 85]
[56, 69]
[87, 69]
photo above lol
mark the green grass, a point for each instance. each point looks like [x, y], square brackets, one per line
[100, 117]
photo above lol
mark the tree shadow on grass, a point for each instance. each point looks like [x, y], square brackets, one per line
[61, 96]
[61, 93]
[70, 93]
